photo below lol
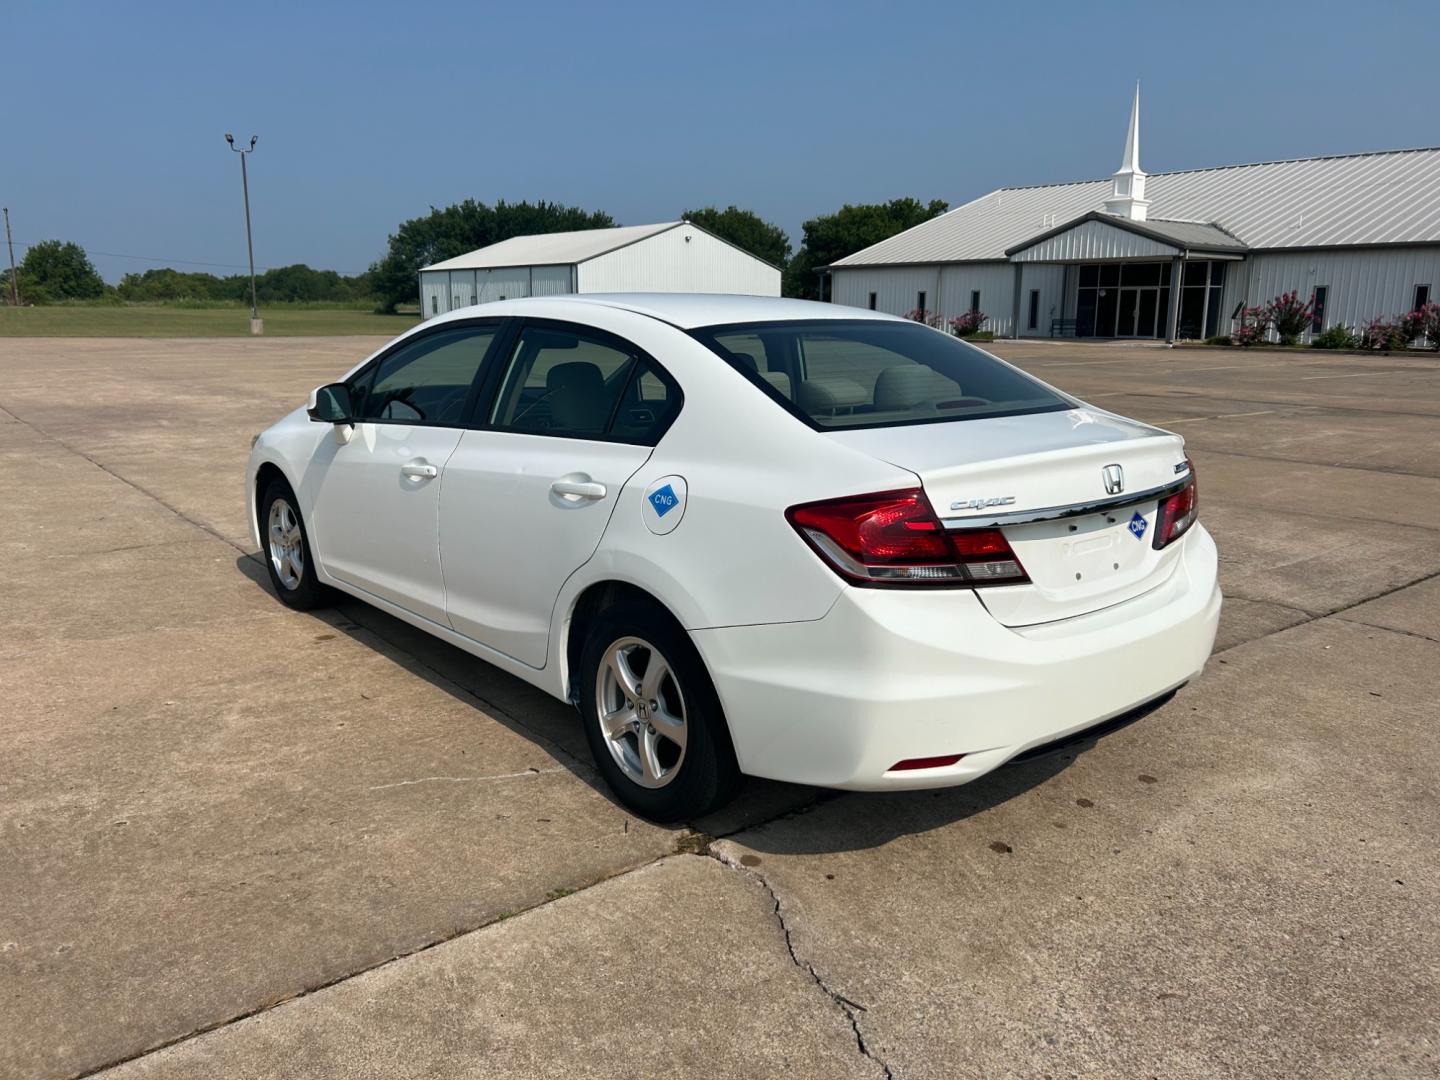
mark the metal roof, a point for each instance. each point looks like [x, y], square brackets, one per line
[1388, 197]
[685, 310]
[552, 249]
[1189, 235]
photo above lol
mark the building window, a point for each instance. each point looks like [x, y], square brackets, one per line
[434, 303]
[872, 301]
[1317, 308]
[974, 299]
[920, 301]
[1422, 297]
[1034, 320]
[1201, 286]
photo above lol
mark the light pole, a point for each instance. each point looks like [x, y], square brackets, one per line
[256, 326]
[14, 277]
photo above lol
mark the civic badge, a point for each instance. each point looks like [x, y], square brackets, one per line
[1114, 479]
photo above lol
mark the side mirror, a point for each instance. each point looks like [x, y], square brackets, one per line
[331, 404]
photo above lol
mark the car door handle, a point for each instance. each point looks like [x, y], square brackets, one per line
[419, 470]
[580, 489]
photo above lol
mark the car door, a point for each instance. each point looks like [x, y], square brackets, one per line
[376, 507]
[573, 413]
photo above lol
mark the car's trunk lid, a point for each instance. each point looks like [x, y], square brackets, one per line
[1048, 466]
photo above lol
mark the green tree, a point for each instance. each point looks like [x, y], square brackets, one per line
[831, 237]
[58, 270]
[284, 284]
[443, 234]
[745, 229]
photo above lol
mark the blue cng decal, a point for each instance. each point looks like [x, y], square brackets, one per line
[664, 504]
[1138, 525]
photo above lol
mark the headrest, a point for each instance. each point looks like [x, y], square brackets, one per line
[575, 377]
[745, 360]
[907, 385]
[780, 381]
[828, 393]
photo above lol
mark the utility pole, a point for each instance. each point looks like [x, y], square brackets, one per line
[256, 326]
[14, 277]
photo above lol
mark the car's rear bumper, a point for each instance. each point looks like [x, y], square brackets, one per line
[889, 675]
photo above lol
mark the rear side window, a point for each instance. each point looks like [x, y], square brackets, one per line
[576, 383]
[426, 381]
[873, 373]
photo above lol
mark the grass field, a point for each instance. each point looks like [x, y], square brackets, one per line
[165, 321]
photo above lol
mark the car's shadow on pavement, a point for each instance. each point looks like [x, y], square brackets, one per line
[554, 726]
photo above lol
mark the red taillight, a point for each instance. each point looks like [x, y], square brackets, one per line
[894, 538]
[1177, 513]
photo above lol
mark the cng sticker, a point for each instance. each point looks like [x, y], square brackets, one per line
[1138, 525]
[664, 504]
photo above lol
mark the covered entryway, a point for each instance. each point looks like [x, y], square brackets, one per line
[1133, 279]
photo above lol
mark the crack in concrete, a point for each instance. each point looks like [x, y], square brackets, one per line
[849, 1008]
[469, 779]
[1390, 629]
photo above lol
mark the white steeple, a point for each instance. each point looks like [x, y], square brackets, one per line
[1128, 200]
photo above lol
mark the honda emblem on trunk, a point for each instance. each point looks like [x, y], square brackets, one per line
[1114, 479]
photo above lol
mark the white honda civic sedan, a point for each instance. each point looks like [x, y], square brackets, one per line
[750, 536]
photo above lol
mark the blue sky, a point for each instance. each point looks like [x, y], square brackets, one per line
[368, 113]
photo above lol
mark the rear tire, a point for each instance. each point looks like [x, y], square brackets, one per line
[285, 546]
[652, 717]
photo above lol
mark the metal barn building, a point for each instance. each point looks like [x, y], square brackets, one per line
[675, 256]
[1173, 255]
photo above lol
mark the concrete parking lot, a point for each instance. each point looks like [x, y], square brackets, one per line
[239, 840]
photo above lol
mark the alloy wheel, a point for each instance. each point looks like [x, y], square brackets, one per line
[287, 545]
[641, 711]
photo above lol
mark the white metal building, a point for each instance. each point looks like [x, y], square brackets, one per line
[675, 256]
[1173, 255]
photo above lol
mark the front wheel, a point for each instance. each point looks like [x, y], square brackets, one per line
[287, 549]
[652, 717]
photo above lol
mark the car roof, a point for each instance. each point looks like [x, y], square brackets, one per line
[691, 310]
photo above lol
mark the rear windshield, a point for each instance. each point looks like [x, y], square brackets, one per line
[869, 373]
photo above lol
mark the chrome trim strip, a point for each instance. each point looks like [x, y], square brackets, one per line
[1053, 513]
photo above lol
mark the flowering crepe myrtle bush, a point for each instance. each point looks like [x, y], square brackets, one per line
[1289, 316]
[1254, 328]
[1423, 322]
[1383, 335]
[929, 318]
[968, 324]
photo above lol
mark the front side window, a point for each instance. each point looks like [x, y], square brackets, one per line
[577, 383]
[426, 381]
[872, 373]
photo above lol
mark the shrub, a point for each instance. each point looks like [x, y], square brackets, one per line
[1338, 336]
[1254, 328]
[929, 318]
[1383, 335]
[1423, 322]
[1289, 316]
[1219, 339]
[968, 325]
